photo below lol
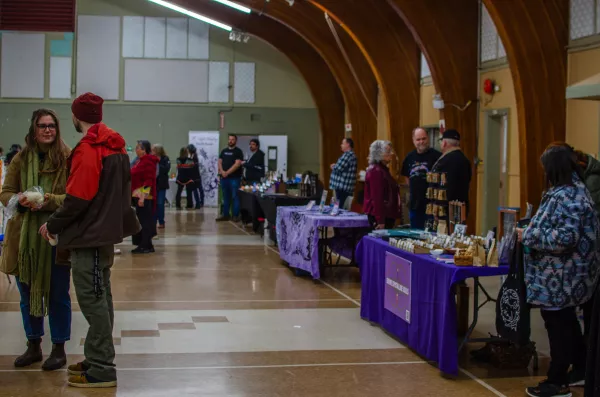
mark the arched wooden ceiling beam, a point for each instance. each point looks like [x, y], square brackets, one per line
[447, 32]
[393, 54]
[535, 34]
[319, 78]
[309, 23]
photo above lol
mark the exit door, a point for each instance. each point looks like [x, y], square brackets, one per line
[495, 168]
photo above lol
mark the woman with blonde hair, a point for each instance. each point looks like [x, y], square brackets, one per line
[43, 279]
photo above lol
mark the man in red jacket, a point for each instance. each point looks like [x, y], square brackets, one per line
[96, 214]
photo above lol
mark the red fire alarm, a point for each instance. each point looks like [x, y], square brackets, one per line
[489, 87]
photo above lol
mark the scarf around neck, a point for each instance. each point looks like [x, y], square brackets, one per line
[35, 253]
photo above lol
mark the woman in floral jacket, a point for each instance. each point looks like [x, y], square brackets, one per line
[561, 265]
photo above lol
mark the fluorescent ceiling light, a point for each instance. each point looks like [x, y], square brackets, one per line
[235, 5]
[191, 14]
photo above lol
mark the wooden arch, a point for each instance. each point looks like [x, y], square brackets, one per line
[447, 33]
[321, 82]
[535, 34]
[394, 56]
[310, 24]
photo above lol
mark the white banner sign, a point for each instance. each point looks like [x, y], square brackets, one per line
[207, 145]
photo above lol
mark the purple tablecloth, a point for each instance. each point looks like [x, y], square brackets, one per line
[432, 329]
[298, 235]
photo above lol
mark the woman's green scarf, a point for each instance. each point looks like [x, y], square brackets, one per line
[35, 253]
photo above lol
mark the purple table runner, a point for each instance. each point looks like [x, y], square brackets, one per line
[298, 235]
[431, 327]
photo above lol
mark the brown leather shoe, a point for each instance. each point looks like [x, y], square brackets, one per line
[33, 354]
[57, 359]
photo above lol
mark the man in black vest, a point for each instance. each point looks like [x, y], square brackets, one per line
[255, 165]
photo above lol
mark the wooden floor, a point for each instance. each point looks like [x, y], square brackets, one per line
[215, 313]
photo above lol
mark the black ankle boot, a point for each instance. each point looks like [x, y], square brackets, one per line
[32, 355]
[57, 359]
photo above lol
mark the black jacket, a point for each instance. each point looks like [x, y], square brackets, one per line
[255, 167]
[195, 172]
[162, 180]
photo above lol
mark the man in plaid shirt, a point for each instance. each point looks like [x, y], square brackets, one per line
[343, 175]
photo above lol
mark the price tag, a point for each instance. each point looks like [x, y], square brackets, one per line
[336, 208]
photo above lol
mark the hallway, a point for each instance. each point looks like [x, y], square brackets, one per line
[215, 313]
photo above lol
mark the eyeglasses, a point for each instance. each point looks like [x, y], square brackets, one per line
[51, 127]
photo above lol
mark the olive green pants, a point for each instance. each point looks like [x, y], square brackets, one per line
[95, 301]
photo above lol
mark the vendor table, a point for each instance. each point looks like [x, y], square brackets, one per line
[270, 202]
[250, 209]
[412, 297]
[299, 231]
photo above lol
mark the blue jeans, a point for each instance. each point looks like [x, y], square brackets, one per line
[197, 200]
[230, 187]
[199, 193]
[160, 207]
[59, 307]
[417, 219]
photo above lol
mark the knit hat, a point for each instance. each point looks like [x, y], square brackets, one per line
[88, 108]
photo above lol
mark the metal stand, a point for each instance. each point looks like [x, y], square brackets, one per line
[476, 307]
[326, 254]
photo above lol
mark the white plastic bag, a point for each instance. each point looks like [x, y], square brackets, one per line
[35, 195]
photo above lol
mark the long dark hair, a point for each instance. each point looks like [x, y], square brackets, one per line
[560, 162]
[58, 152]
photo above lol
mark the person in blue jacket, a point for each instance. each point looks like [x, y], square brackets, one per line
[561, 266]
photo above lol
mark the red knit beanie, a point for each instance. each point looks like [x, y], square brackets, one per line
[88, 108]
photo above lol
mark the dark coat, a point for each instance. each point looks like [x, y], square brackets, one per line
[255, 167]
[162, 180]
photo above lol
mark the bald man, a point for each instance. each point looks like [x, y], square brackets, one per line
[415, 167]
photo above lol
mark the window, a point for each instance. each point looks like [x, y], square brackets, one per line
[491, 44]
[425, 72]
[434, 137]
[584, 20]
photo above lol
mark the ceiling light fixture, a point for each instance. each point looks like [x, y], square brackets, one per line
[239, 37]
[191, 14]
[234, 5]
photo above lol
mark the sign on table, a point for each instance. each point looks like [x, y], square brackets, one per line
[397, 286]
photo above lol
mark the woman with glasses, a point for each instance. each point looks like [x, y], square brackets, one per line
[43, 275]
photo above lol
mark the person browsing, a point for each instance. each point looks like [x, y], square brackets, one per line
[343, 173]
